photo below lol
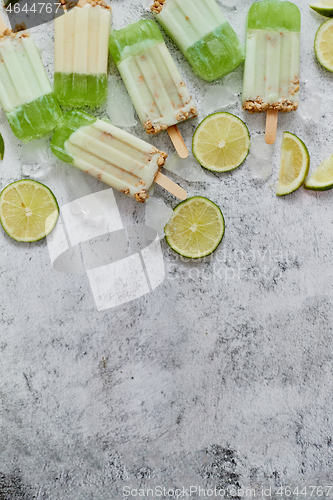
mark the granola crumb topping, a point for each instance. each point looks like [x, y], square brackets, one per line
[125, 191]
[69, 4]
[94, 3]
[142, 196]
[162, 158]
[18, 33]
[157, 6]
[20, 27]
[184, 115]
[258, 106]
[181, 116]
[151, 129]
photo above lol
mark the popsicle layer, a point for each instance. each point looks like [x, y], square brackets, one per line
[26, 95]
[81, 54]
[152, 79]
[108, 153]
[271, 74]
[203, 34]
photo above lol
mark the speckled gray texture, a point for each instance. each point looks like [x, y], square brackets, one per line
[220, 377]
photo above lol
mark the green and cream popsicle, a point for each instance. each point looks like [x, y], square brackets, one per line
[271, 75]
[81, 39]
[108, 153]
[203, 34]
[26, 95]
[152, 79]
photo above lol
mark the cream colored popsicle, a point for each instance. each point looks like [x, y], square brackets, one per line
[152, 79]
[110, 154]
[271, 74]
[203, 35]
[2, 25]
[81, 54]
[26, 95]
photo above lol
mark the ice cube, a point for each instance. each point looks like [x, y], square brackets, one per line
[119, 106]
[146, 4]
[188, 169]
[80, 209]
[36, 171]
[274, 185]
[259, 148]
[78, 187]
[310, 109]
[157, 215]
[233, 82]
[217, 97]
[36, 152]
[260, 168]
[310, 101]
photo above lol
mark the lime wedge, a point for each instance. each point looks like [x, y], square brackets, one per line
[2, 148]
[295, 163]
[221, 142]
[195, 228]
[325, 7]
[322, 177]
[28, 210]
[323, 45]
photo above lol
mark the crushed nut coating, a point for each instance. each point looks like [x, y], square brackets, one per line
[181, 116]
[142, 196]
[258, 106]
[68, 4]
[12, 34]
[157, 6]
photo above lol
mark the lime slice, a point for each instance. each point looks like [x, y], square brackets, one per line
[323, 45]
[322, 177]
[221, 142]
[295, 163]
[2, 148]
[195, 228]
[325, 7]
[28, 210]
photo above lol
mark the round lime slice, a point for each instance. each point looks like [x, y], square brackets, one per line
[325, 7]
[322, 177]
[295, 163]
[28, 210]
[221, 142]
[195, 228]
[323, 45]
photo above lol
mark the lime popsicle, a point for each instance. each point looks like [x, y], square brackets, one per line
[81, 54]
[271, 75]
[151, 77]
[26, 95]
[110, 154]
[203, 34]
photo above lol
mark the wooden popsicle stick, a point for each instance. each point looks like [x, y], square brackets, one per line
[271, 125]
[178, 141]
[171, 186]
[2, 25]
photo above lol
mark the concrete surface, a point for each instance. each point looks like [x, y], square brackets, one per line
[220, 377]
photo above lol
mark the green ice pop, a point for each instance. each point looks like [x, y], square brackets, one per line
[108, 153]
[153, 81]
[26, 95]
[271, 75]
[203, 34]
[81, 39]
